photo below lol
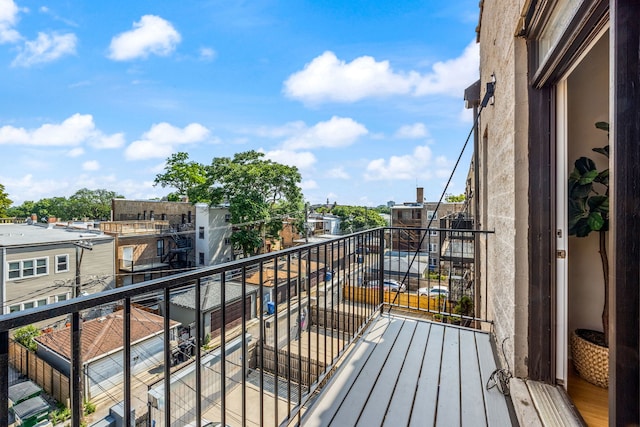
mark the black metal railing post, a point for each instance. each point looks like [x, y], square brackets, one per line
[198, 350]
[76, 369]
[126, 360]
[4, 375]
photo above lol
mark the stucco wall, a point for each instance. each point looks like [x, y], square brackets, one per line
[504, 183]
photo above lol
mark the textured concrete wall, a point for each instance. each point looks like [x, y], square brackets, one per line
[504, 178]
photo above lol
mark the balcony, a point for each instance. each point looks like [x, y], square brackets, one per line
[312, 335]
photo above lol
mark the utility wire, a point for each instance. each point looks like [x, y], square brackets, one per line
[485, 101]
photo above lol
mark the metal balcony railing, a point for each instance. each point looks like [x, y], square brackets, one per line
[249, 341]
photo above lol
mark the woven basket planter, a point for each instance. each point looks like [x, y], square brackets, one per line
[590, 360]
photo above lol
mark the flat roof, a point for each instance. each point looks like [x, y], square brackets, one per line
[32, 234]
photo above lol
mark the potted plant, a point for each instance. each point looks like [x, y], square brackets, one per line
[589, 212]
[465, 309]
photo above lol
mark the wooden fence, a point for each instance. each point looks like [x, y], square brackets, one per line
[404, 299]
[52, 381]
[289, 367]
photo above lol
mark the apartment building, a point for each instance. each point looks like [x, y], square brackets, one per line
[42, 264]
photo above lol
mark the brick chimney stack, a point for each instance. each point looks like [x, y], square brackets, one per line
[420, 195]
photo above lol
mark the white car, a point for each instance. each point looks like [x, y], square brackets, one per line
[435, 292]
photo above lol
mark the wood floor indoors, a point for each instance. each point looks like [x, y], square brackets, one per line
[591, 400]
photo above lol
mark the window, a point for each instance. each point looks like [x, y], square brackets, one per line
[28, 304]
[227, 241]
[430, 214]
[14, 270]
[201, 258]
[147, 276]
[151, 216]
[189, 217]
[433, 232]
[28, 268]
[160, 247]
[61, 297]
[62, 263]
[200, 232]
[433, 247]
[433, 262]
[227, 217]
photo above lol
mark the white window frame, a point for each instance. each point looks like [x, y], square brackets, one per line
[62, 297]
[24, 305]
[59, 259]
[433, 247]
[37, 265]
[433, 232]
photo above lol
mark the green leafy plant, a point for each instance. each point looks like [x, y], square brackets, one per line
[26, 335]
[60, 414]
[589, 211]
[89, 407]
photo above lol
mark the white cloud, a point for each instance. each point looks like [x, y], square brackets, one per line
[75, 152]
[326, 78]
[151, 35]
[308, 184]
[288, 129]
[453, 76]
[74, 131]
[336, 132]
[91, 165]
[162, 139]
[329, 79]
[8, 19]
[46, 48]
[414, 131]
[418, 165]
[337, 173]
[207, 54]
[302, 160]
[109, 141]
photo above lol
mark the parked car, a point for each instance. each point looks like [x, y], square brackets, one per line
[389, 285]
[435, 292]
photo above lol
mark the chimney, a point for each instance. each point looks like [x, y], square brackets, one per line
[420, 195]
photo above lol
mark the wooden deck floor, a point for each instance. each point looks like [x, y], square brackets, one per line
[410, 372]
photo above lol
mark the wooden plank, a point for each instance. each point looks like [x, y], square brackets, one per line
[388, 375]
[337, 389]
[472, 388]
[353, 403]
[448, 412]
[495, 402]
[424, 409]
[404, 397]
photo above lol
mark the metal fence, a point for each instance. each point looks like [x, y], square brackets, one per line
[312, 302]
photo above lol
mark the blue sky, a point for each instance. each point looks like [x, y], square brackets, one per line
[364, 97]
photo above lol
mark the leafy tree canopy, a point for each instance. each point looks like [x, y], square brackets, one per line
[5, 202]
[260, 192]
[26, 335]
[188, 178]
[357, 218]
[85, 203]
[451, 198]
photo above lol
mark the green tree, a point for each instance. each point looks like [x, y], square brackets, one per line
[357, 218]
[260, 193]
[453, 199]
[26, 335]
[5, 202]
[93, 204]
[188, 178]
